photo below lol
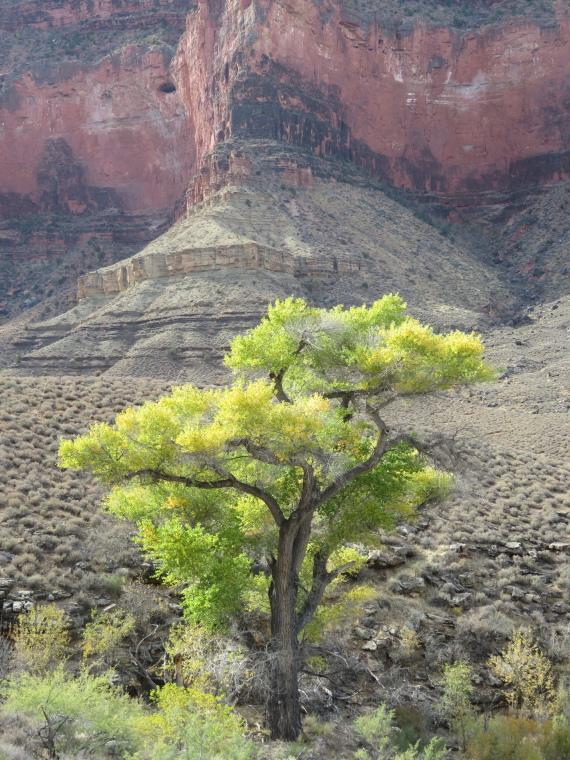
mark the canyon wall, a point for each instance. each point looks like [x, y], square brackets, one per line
[79, 138]
[85, 132]
[466, 116]
[434, 110]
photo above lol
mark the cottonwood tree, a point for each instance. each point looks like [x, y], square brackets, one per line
[289, 465]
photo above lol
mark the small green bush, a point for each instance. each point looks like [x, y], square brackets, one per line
[376, 732]
[75, 717]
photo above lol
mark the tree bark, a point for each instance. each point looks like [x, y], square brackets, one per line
[283, 705]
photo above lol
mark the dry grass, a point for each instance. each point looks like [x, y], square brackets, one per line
[53, 538]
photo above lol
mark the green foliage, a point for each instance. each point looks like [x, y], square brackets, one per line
[555, 740]
[104, 633]
[528, 675]
[74, 716]
[219, 572]
[413, 728]
[41, 638]
[455, 704]
[192, 725]
[210, 475]
[376, 732]
[357, 347]
[507, 738]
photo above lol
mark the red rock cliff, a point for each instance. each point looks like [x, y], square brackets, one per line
[80, 138]
[83, 136]
[460, 115]
[427, 109]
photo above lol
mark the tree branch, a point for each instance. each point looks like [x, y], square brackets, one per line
[347, 396]
[368, 464]
[308, 487]
[277, 377]
[409, 439]
[264, 455]
[229, 482]
[280, 394]
[321, 580]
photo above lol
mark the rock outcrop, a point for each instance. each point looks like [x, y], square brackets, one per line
[171, 309]
[119, 277]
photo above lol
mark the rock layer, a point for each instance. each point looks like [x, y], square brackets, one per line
[119, 277]
[171, 309]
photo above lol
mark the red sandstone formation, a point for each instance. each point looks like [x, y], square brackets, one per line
[77, 138]
[462, 116]
[426, 109]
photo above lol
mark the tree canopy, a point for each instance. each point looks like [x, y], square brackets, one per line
[291, 465]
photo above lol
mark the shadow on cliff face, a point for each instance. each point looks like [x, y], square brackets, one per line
[279, 104]
[62, 187]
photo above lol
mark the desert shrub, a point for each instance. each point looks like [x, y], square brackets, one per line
[555, 741]
[527, 674]
[376, 732]
[510, 738]
[480, 630]
[24, 558]
[210, 662]
[103, 635]
[73, 716]
[410, 642]
[413, 726]
[36, 581]
[455, 704]
[111, 545]
[40, 638]
[313, 727]
[146, 604]
[193, 725]
[101, 583]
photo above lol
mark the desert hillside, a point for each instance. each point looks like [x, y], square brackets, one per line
[169, 168]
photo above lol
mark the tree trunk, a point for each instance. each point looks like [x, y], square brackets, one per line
[283, 706]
